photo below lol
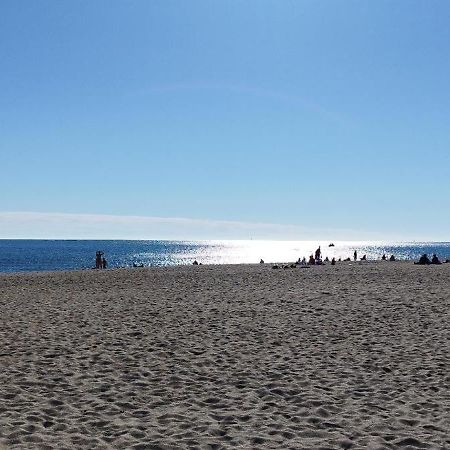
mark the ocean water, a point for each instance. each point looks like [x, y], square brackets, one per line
[41, 255]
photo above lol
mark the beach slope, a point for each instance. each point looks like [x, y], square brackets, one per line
[351, 356]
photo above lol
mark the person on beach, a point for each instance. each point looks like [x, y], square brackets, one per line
[104, 263]
[318, 253]
[333, 262]
[424, 260]
[435, 259]
[383, 258]
[355, 255]
[392, 258]
[312, 261]
[98, 259]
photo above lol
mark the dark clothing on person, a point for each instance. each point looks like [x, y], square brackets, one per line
[435, 260]
[318, 253]
[98, 259]
[424, 260]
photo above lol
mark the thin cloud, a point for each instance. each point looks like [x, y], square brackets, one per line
[253, 91]
[39, 225]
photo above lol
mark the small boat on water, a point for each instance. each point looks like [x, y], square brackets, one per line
[331, 245]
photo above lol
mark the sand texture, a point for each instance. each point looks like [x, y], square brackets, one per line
[355, 356]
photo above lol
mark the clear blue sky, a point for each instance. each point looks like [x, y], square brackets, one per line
[314, 114]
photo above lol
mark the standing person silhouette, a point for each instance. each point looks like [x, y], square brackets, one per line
[355, 255]
[98, 259]
[318, 253]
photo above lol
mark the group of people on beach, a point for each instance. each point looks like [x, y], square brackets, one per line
[424, 260]
[100, 261]
[315, 259]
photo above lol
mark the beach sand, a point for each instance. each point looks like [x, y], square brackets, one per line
[351, 356]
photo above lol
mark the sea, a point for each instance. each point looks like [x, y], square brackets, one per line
[49, 255]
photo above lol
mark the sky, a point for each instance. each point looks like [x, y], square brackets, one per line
[225, 119]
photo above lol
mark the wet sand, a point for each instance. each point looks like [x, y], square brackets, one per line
[352, 356]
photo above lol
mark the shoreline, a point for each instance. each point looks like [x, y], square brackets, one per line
[266, 264]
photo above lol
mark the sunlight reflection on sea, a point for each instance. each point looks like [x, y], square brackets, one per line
[38, 255]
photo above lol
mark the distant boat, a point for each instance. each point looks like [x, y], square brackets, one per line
[331, 245]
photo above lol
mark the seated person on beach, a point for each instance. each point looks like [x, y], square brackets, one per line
[261, 261]
[301, 262]
[435, 259]
[195, 263]
[392, 258]
[364, 258]
[347, 259]
[383, 258]
[311, 261]
[326, 259]
[333, 262]
[423, 260]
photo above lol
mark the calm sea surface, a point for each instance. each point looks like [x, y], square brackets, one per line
[37, 255]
